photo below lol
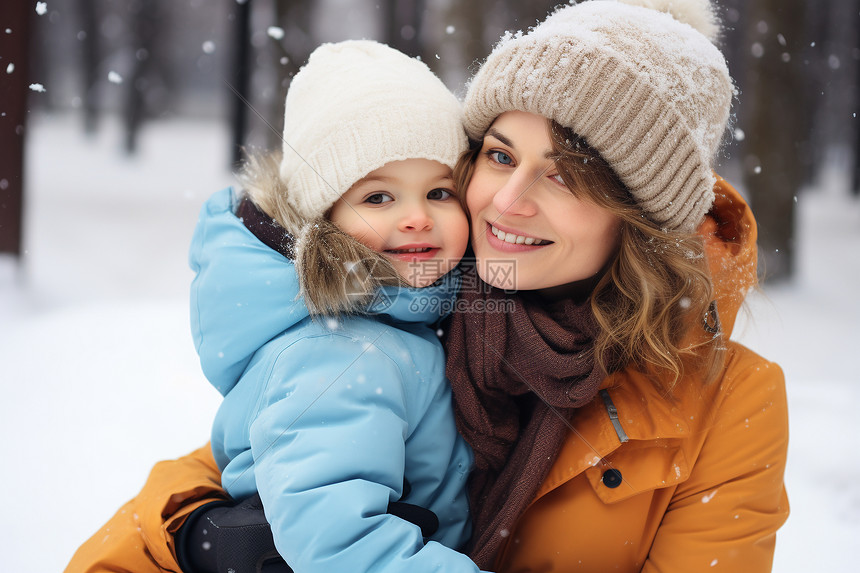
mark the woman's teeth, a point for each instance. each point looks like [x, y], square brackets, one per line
[517, 239]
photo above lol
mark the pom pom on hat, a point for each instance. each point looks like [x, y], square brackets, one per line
[697, 13]
[649, 92]
[354, 107]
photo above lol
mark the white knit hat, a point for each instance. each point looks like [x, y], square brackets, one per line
[640, 80]
[354, 107]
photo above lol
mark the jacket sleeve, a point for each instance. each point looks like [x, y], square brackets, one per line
[329, 454]
[139, 537]
[725, 517]
[443, 493]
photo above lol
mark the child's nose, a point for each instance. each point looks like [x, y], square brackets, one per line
[513, 198]
[416, 218]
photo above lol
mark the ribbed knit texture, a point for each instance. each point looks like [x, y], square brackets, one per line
[354, 107]
[650, 93]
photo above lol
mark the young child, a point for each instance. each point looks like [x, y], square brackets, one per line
[305, 315]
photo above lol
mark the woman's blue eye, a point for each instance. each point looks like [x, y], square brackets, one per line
[438, 194]
[378, 199]
[501, 157]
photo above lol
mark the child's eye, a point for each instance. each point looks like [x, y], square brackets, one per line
[500, 157]
[438, 194]
[557, 178]
[378, 198]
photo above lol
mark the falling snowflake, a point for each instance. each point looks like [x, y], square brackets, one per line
[10, 68]
[38, 88]
[450, 30]
[41, 8]
[208, 47]
[114, 77]
[275, 32]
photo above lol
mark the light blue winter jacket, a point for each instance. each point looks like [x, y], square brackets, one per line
[324, 417]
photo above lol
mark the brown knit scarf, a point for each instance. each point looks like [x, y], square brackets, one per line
[517, 378]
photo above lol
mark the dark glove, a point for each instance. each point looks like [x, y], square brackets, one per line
[225, 535]
[228, 536]
[423, 518]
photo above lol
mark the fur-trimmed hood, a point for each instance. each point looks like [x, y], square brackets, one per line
[245, 293]
[337, 274]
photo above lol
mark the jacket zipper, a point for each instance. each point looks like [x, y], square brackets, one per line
[613, 416]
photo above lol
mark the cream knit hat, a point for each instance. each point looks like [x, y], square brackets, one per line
[640, 80]
[354, 107]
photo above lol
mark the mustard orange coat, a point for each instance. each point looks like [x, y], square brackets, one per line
[701, 472]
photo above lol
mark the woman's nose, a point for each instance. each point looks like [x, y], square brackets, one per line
[515, 196]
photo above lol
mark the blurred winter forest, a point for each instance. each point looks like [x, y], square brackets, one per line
[795, 64]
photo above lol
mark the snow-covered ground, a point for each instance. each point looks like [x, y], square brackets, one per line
[100, 378]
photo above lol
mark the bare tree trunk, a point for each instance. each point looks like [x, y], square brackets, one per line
[817, 72]
[403, 26]
[855, 180]
[90, 52]
[777, 125]
[240, 79]
[13, 93]
[468, 20]
[479, 25]
[855, 42]
[294, 17]
[527, 14]
[145, 30]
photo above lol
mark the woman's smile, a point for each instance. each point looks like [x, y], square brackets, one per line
[511, 236]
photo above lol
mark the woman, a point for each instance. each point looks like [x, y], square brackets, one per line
[615, 425]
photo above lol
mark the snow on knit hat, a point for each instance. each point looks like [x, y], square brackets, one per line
[640, 80]
[354, 107]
